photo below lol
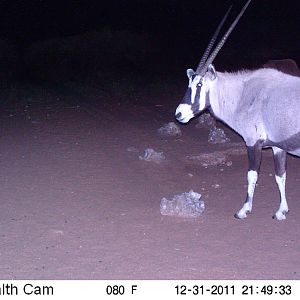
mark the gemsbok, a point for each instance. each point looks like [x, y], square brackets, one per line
[263, 106]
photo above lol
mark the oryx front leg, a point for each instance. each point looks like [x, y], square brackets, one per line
[247, 207]
[280, 176]
[254, 156]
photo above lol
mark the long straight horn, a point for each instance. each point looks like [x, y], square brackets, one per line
[223, 40]
[212, 41]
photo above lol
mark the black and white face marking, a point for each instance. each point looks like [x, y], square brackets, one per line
[196, 97]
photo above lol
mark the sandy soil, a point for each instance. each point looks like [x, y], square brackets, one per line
[78, 203]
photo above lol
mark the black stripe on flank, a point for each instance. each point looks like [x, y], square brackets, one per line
[290, 144]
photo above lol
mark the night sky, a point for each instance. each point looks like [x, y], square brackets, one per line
[180, 28]
[41, 18]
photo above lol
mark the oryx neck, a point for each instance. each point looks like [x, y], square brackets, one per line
[225, 93]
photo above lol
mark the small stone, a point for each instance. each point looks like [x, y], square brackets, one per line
[216, 186]
[169, 130]
[184, 205]
[151, 155]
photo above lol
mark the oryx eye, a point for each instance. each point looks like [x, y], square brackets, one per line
[199, 84]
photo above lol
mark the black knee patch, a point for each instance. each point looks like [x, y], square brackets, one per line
[254, 156]
[280, 163]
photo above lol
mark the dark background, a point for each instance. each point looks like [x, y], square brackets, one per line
[84, 88]
[143, 35]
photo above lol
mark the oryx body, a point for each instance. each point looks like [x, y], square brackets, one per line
[262, 106]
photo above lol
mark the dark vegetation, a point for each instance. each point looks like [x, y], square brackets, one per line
[133, 49]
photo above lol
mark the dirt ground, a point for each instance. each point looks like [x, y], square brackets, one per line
[78, 203]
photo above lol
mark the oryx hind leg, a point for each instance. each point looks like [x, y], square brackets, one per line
[254, 156]
[280, 176]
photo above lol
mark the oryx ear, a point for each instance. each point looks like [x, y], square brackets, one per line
[211, 72]
[190, 73]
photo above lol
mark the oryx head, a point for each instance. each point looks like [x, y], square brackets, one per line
[196, 98]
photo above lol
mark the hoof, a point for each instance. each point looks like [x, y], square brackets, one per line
[242, 216]
[280, 215]
[237, 216]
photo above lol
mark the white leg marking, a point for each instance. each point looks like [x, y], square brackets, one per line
[283, 208]
[276, 150]
[247, 207]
